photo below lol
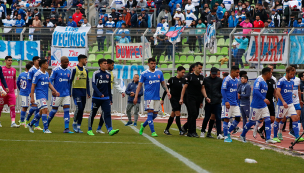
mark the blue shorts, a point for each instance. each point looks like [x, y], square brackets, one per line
[297, 106]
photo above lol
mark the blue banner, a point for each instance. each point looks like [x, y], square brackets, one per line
[19, 50]
[128, 71]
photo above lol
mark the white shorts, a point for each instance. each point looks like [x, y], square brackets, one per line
[152, 105]
[233, 111]
[286, 112]
[25, 101]
[61, 101]
[257, 114]
[41, 103]
[34, 99]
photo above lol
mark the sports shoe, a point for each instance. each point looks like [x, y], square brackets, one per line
[113, 132]
[47, 131]
[243, 139]
[38, 128]
[90, 133]
[100, 131]
[79, 131]
[228, 140]
[135, 124]
[189, 134]
[277, 140]
[254, 134]
[221, 137]
[235, 130]
[300, 140]
[166, 132]
[142, 128]
[154, 134]
[14, 125]
[128, 123]
[291, 133]
[228, 135]
[182, 133]
[21, 123]
[209, 135]
[202, 135]
[271, 141]
[261, 134]
[67, 131]
[75, 128]
[195, 135]
[280, 136]
[30, 128]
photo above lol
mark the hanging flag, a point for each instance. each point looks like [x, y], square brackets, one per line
[174, 34]
[160, 31]
[210, 39]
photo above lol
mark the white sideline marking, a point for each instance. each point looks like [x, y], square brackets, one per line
[174, 129]
[170, 151]
[12, 140]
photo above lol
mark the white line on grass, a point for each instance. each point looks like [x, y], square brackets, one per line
[183, 159]
[12, 140]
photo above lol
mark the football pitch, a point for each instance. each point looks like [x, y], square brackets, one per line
[22, 151]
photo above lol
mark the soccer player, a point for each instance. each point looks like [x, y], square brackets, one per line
[80, 90]
[194, 87]
[285, 106]
[151, 78]
[175, 84]
[259, 110]
[244, 92]
[40, 87]
[102, 97]
[24, 88]
[34, 109]
[61, 78]
[9, 74]
[230, 108]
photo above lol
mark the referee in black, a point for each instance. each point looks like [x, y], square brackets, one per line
[194, 86]
[212, 93]
[175, 85]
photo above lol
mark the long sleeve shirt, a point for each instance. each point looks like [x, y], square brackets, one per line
[245, 91]
[79, 91]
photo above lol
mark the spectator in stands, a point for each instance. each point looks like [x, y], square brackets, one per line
[109, 24]
[267, 26]
[14, 16]
[275, 17]
[224, 21]
[71, 22]
[36, 23]
[131, 4]
[100, 37]
[204, 15]
[144, 15]
[126, 16]
[69, 6]
[258, 24]
[57, 3]
[192, 38]
[101, 5]
[172, 5]
[158, 3]
[46, 3]
[141, 4]
[219, 11]
[123, 39]
[105, 19]
[85, 23]
[60, 22]
[234, 52]
[29, 18]
[82, 18]
[8, 22]
[76, 2]
[133, 19]
[196, 4]
[124, 30]
[141, 23]
[82, 10]
[119, 22]
[163, 6]
[77, 16]
[54, 16]
[231, 20]
[119, 4]
[179, 44]
[241, 50]
[179, 16]
[166, 15]
[150, 5]
[36, 13]
[189, 6]
[114, 14]
[21, 12]
[246, 24]
[163, 23]
[212, 18]
[259, 11]
[239, 21]
[37, 3]
[48, 22]
[189, 18]
[200, 33]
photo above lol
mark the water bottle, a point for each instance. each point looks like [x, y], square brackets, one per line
[250, 161]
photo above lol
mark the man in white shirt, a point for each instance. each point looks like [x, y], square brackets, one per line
[179, 16]
[190, 6]
[119, 4]
[8, 22]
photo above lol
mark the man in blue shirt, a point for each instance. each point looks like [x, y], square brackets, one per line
[30, 77]
[244, 92]
[61, 78]
[259, 110]
[19, 23]
[80, 90]
[21, 12]
[102, 97]
[230, 108]
[24, 88]
[120, 22]
[40, 87]
[151, 78]
[285, 106]
[71, 23]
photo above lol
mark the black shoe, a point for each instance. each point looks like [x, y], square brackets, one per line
[235, 130]
[195, 135]
[166, 132]
[182, 133]
[261, 134]
[189, 135]
[209, 135]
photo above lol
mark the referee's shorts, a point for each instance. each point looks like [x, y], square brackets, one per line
[271, 109]
[175, 104]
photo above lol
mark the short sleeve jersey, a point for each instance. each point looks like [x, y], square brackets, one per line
[151, 81]
[31, 74]
[260, 86]
[42, 84]
[61, 79]
[286, 90]
[25, 88]
[229, 86]
[195, 83]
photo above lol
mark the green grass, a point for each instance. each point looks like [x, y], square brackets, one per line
[131, 153]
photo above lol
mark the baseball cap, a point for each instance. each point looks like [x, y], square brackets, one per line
[79, 5]
[106, 15]
[143, 9]
[53, 9]
[214, 70]
[273, 9]
[113, 8]
[70, 17]
[178, 9]
[109, 16]
[234, 43]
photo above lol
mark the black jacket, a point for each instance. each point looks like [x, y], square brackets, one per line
[213, 89]
[142, 24]
[133, 5]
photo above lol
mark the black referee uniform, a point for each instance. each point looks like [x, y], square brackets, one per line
[194, 100]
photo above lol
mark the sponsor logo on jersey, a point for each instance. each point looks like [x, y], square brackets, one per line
[287, 91]
[153, 81]
[233, 90]
[63, 80]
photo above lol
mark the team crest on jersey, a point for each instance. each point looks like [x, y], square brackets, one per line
[9, 72]
[100, 77]
[107, 76]
[158, 76]
[61, 74]
[201, 82]
[68, 75]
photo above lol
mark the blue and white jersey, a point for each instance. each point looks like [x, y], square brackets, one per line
[61, 78]
[110, 25]
[37, 2]
[227, 4]
[99, 31]
[23, 84]
[163, 25]
[19, 23]
[229, 86]
[260, 89]
[101, 83]
[42, 84]
[31, 74]
[151, 81]
[295, 91]
[189, 18]
[286, 90]
[22, 13]
[8, 23]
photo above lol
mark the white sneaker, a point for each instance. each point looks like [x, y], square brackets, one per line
[100, 131]
[220, 136]
[254, 134]
[47, 131]
[14, 125]
[30, 128]
[243, 139]
[270, 141]
[202, 135]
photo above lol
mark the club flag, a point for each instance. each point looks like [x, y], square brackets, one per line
[174, 34]
[210, 39]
